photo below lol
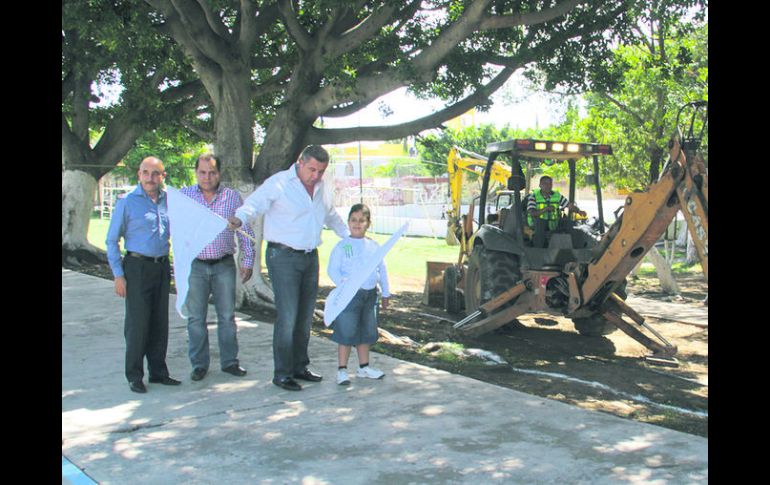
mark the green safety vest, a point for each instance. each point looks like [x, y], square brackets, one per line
[540, 203]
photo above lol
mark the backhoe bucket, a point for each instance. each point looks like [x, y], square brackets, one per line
[433, 295]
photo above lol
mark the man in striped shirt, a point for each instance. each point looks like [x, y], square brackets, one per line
[213, 272]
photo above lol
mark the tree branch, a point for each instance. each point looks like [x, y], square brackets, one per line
[295, 30]
[469, 22]
[529, 18]
[434, 120]
[424, 63]
[248, 25]
[272, 85]
[623, 108]
[267, 15]
[184, 90]
[363, 31]
[212, 20]
[73, 148]
[348, 109]
[67, 84]
[203, 134]
[211, 40]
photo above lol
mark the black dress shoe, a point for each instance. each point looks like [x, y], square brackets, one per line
[166, 381]
[308, 375]
[198, 373]
[235, 370]
[287, 383]
[137, 386]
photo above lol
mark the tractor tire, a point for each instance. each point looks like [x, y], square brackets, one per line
[596, 325]
[453, 302]
[489, 273]
[593, 326]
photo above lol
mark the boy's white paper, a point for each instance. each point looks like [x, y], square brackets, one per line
[340, 296]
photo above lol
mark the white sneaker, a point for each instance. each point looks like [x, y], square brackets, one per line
[342, 377]
[369, 372]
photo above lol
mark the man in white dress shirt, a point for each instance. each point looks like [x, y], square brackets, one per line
[295, 212]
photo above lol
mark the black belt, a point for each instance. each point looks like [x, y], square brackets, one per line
[215, 261]
[159, 259]
[271, 244]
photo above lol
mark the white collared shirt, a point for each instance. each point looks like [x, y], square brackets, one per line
[291, 216]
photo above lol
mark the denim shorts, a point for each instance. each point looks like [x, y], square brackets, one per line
[357, 324]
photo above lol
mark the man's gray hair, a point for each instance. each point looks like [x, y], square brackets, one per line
[314, 151]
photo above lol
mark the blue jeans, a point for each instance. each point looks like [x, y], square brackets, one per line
[217, 279]
[294, 276]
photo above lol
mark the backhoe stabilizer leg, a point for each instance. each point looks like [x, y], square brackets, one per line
[494, 304]
[622, 307]
[493, 321]
[658, 350]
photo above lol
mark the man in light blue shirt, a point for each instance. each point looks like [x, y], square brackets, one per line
[143, 276]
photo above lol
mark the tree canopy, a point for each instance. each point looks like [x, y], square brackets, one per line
[663, 66]
[111, 45]
[286, 63]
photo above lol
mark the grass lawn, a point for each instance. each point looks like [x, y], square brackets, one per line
[406, 261]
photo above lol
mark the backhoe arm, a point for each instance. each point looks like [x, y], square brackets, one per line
[683, 185]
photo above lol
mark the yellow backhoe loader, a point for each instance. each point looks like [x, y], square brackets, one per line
[577, 274]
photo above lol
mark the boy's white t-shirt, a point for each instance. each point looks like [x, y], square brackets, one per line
[348, 255]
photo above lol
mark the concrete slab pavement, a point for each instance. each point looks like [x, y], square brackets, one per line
[692, 313]
[417, 425]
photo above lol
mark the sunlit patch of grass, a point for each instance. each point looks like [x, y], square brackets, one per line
[678, 267]
[450, 352]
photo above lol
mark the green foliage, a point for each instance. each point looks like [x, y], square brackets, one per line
[178, 149]
[113, 45]
[434, 148]
[450, 352]
[398, 167]
[638, 118]
[678, 267]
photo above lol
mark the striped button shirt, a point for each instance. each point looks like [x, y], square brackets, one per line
[224, 203]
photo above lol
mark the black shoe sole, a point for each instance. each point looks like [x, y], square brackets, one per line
[137, 389]
[308, 379]
[235, 373]
[167, 383]
[288, 387]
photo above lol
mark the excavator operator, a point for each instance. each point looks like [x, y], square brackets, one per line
[543, 208]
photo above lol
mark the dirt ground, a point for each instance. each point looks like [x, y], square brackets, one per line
[544, 355]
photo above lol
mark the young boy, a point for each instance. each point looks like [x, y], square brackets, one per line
[357, 324]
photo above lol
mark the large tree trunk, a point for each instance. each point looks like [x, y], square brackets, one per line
[663, 270]
[284, 141]
[234, 145]
[77, 191]
[233, 120]
[257, 291]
